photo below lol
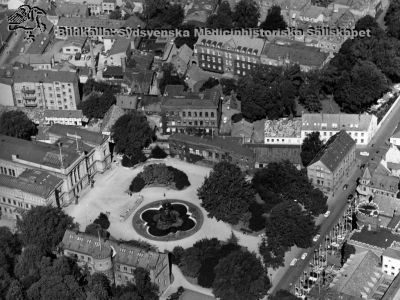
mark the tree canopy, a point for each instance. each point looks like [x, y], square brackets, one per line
[131, 132]
[222, 19]
[44, 226]
[269, 91]
[392, 19]
[355, 93]
[310, 147]
[240, 275]
[281, 181]
[274, 19]
[96, 106]
[16, 124]
[225, 194]
[246, 14]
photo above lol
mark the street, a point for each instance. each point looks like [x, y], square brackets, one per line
[337, 204]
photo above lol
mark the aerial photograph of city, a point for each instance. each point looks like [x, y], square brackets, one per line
[199, 149]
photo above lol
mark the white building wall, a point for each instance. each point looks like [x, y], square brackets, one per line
[390, 265]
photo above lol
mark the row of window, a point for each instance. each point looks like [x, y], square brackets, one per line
[11, 172]
[228, 55]
[191, 114]
[195, 123]
[16, 203]
[203, 65]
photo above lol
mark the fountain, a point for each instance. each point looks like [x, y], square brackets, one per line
[168, 218]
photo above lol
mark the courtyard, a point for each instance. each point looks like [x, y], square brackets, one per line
[109, 195]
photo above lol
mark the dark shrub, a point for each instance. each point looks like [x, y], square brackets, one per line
[103, 221]
[137, 184]
[237, 117]
[176, 255]
[126, 162]
[257, 221]
[193, 158]
[180, 178]
[157, 152]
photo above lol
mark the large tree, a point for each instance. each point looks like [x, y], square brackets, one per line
[392, 19]
[311, 91]
[15, 123]
[310, 147]
[240, 275]
[96, 106]
[246, 14]
[282, 181]
[225, 193]
[269, 91]
[131, 132]
[222, 19]
[44, 226]
[170, 17]
[355, 93]
[274, 19]
[10, 247]
[288, 225]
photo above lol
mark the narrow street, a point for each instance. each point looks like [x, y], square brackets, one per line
[287, 276]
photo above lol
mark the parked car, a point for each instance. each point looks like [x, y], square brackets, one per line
[327, 214]
[345, 187]
[364, 153]
[293, 262]
[304, 255]
[350, 197]
[316, 237]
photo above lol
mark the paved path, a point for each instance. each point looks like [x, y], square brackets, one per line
[287, 276]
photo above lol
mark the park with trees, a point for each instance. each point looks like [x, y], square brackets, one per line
[29, 268]
[15, 123]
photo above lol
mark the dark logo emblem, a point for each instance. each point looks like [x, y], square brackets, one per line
[28, 19]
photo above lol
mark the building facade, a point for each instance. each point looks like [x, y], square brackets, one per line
[235, 55]
[63, 117]
[360, 127]
[62, 161]
[212, 150]
[391, 259]
[332, 163]
[46, 89]
[31, 188]
[116, 260]
[283, 132]
[395, 138]
[192, 110]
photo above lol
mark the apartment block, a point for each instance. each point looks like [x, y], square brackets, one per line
[46, 89]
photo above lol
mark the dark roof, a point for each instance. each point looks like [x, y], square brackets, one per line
[174, 90]
[40, 44]
[394, 289]
[91, 137]
[44, 76]
[127, 101]
[120, 45]
[111, 116]
[303, 55]
[36, 152]
[134, 22]
[90, 22]
[266, 154]
[56, 113]
[150, 103]
[335, 149]
[222, 143]
[207, 99]
[142, 61]
[140, 81]
[113, 71]
[35, 182]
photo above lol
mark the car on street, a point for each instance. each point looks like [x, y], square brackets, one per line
[316, 238]
[293, 262]
[364, 153]
[327, 214]
[304, 255]
[345, 187]
[349, 197]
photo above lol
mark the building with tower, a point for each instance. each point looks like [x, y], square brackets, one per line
[117, 260]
